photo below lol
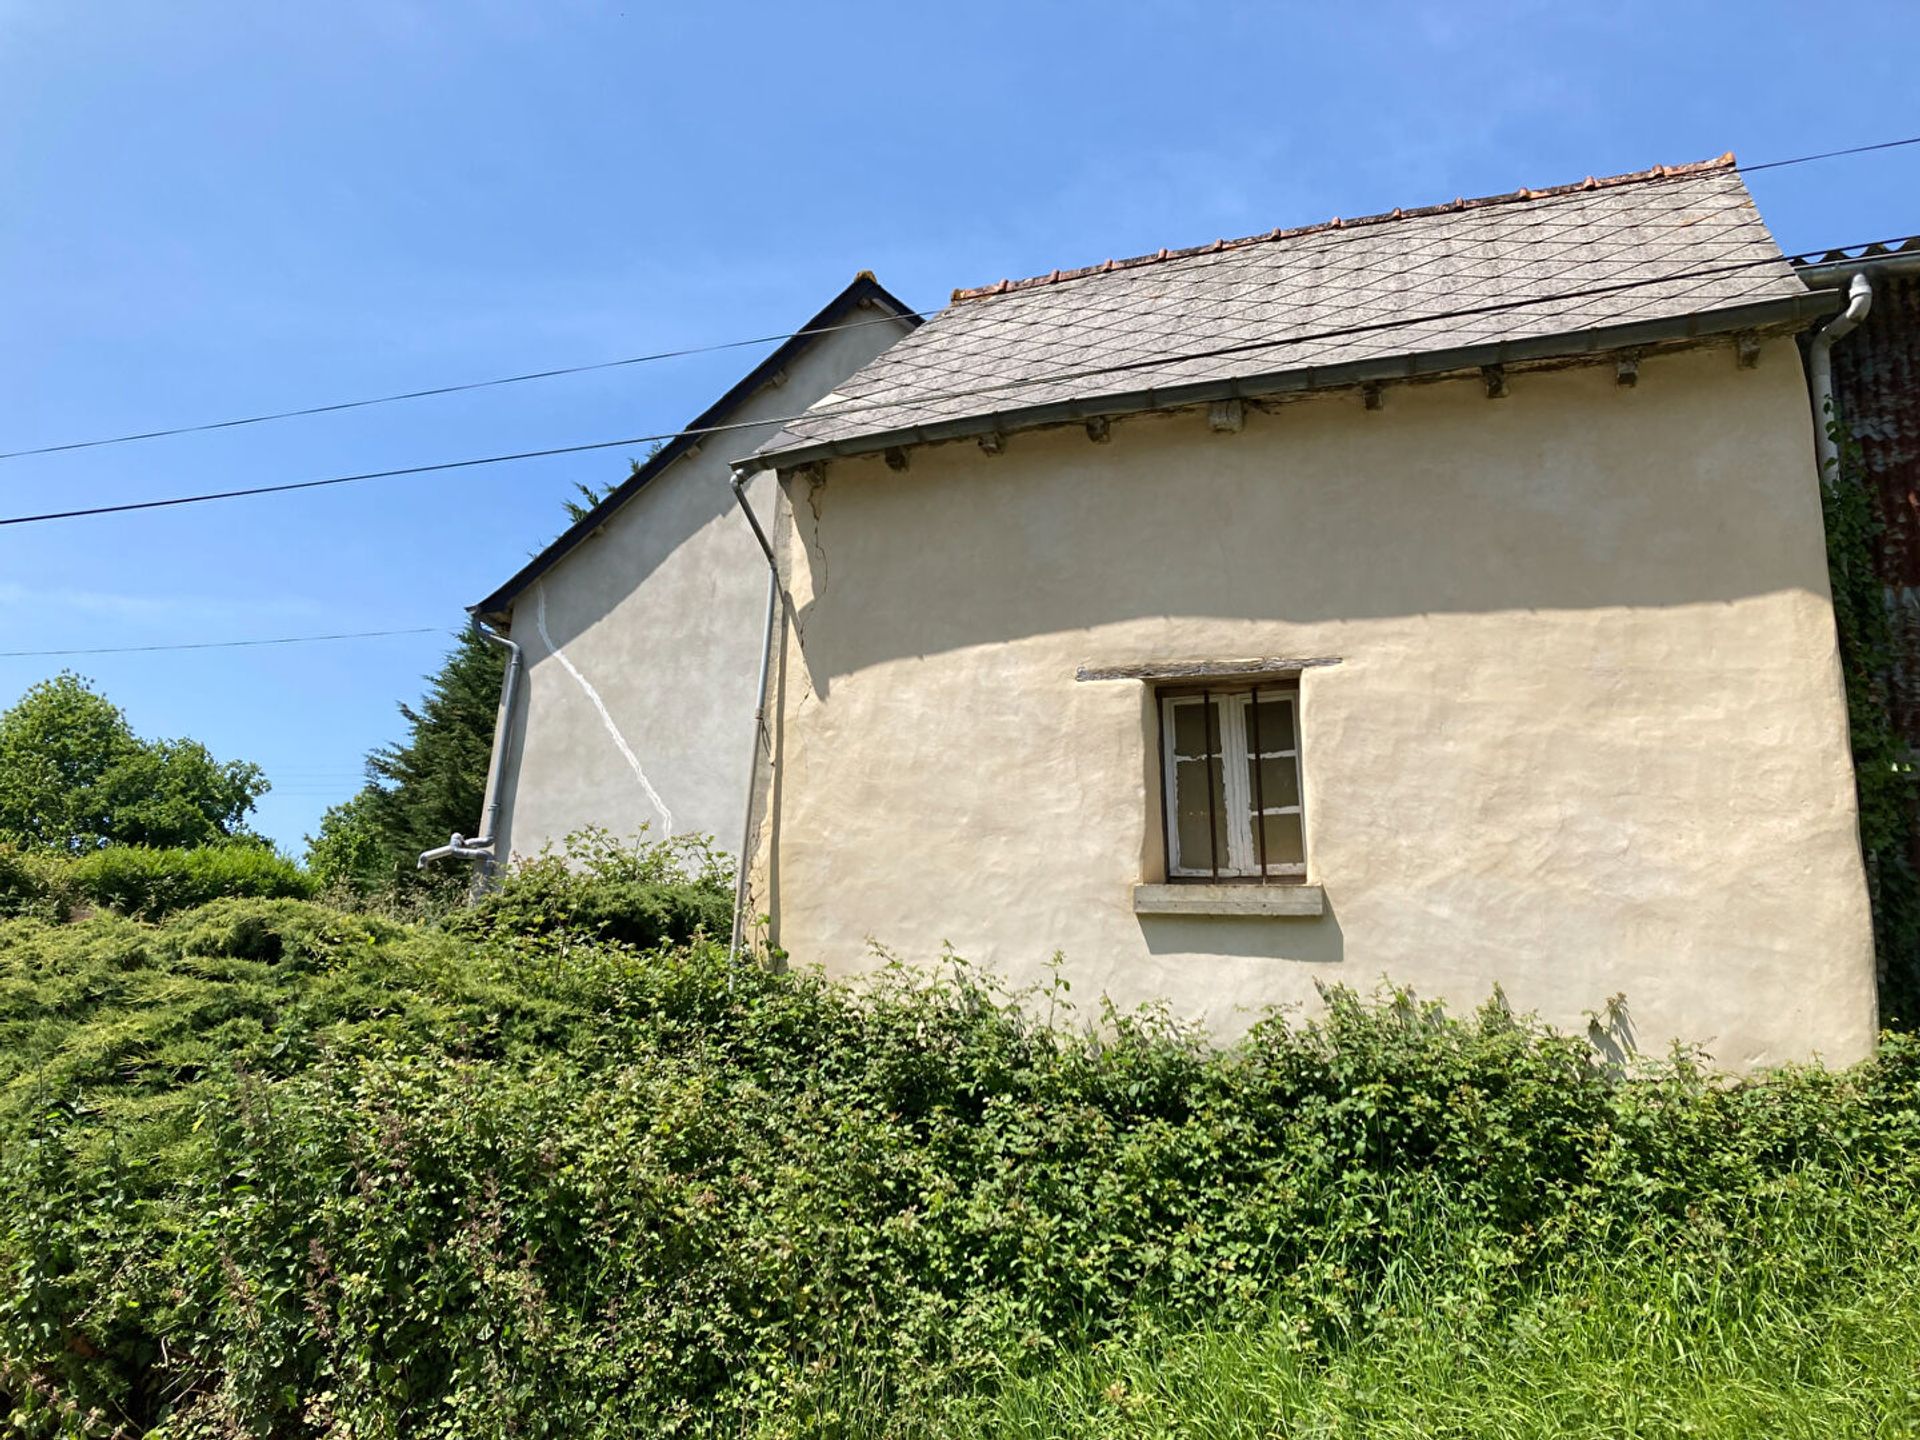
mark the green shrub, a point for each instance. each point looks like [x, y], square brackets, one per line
[134, 880]
[639, 893]
[276, 931]
[28, 883]
[139, 881]
[419, 1184]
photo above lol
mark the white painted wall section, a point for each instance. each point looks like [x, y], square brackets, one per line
[643, 643]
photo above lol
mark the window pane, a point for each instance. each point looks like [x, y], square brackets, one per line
[1284, 845]
[1189, 728]
[1275, 722]
[1278, 782]
[1190, 779]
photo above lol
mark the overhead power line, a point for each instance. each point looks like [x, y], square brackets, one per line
[1002, 387]
[683, 352]
[441, 390]
[1828, 155]
[222, 644]
[1545, 226]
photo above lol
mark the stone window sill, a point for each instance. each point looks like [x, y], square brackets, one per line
[1294, 900]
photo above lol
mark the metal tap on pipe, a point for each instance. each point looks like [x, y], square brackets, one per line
[455, 848]
[481, 847]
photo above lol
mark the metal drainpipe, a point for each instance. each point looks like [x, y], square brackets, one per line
[1820, 371]
[759, 715]
[481, 846]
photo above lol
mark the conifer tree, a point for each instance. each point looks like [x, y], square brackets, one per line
[427, 787]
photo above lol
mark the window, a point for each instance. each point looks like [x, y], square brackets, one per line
[1231, 764]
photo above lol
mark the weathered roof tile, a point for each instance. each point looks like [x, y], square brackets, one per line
[1686, 239]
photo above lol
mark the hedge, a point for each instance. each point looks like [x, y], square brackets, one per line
[138, 881]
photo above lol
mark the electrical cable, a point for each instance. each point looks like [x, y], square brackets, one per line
[1827, 155]
[674, 354]
[440, 390]
[830, 411]
[1295, 254]
[222, 644]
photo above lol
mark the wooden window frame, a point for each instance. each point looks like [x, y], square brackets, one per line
[1227, 710]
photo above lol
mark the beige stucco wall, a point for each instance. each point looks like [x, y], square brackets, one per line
[661, 616]
[1586, 736]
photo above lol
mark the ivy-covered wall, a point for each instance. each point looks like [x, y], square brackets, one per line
[1873, 547]
[1882, 756]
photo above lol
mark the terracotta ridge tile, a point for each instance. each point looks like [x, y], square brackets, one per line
[1523, 195]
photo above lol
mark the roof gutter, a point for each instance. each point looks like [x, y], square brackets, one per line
[1789, 311]
[481, 847]
[1856, 277]
[863, 293]
[1838, 274]
[1820, 373]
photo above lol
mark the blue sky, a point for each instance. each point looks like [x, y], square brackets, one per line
[214, 209]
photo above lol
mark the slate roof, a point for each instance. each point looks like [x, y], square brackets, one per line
[1299, 303]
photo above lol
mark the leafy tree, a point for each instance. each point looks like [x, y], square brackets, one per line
[348, 851]
[74, 776]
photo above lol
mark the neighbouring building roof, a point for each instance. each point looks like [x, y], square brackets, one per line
[864, 293]
[1834, 267]
[1630, 259]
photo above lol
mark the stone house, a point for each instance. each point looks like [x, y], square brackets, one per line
[1439, 596]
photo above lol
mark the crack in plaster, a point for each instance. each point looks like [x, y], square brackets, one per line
[593, 695]
[817, 579]
[814, 487]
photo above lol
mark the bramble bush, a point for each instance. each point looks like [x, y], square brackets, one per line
[634, 892]
[272, 1169]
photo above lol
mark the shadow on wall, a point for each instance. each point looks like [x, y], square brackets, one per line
[1322, 942]
[509, 778]
[1569, 495]
[1318, 940]
[605, 569]
[1610, 1031]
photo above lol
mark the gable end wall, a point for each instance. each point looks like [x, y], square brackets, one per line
[1586, 735]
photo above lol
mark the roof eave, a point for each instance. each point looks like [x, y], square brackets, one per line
[1782, 311]
[497, 608]
[1837, 272]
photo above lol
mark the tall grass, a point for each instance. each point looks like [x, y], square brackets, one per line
[1807, 1327]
